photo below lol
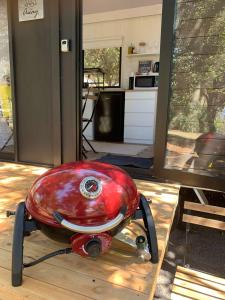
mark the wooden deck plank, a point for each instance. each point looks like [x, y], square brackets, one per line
[74, 281]
[197, 285]
[95, 269]
[116, 275]
[33, 289]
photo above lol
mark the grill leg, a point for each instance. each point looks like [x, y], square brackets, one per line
[17, 248]
[150, 229]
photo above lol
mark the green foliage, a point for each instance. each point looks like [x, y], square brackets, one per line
[198, 81]
[108, 59]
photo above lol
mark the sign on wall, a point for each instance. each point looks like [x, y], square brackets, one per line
[30, 10]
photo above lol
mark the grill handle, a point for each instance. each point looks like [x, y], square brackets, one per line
[91, 229]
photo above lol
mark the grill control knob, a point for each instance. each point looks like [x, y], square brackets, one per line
[93, 248]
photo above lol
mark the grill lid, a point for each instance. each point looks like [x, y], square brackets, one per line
[85, 193]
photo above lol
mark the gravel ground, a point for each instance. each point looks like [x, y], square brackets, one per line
[204, 251]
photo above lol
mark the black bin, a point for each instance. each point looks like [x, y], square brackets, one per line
[109, 117]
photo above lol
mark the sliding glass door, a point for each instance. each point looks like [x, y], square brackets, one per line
[191, 141]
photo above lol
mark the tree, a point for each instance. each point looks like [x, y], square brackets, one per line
[198, 82]
[108, 59]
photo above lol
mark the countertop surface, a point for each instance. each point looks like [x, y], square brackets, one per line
[132, 91]
[153, 89]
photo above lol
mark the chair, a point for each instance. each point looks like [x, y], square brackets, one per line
[191, 217]
[93, 94]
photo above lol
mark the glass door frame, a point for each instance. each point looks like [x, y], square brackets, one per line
[11, 156]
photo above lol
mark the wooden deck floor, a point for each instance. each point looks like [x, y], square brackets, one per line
[116, 275]
[194, 285]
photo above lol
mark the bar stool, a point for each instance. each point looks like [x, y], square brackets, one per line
[93, 94]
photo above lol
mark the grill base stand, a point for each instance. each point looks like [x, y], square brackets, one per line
[24, 226]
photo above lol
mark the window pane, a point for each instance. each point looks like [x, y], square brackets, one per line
[196, 129]
[6, 121]
[108, 61]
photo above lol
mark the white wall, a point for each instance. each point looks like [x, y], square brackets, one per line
[121, 28]
[97, 6]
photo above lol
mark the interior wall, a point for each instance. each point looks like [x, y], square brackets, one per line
[112, 30]
[97, 6]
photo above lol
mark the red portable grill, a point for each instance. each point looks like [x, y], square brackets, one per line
[84, 204]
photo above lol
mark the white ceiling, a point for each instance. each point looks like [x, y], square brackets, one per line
[99, 6]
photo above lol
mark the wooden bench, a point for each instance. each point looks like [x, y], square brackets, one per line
[194, 285]
[202, 221]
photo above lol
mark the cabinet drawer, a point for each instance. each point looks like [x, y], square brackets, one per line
[139, 119]
[139, 133]
[141, 95]
[140, 106]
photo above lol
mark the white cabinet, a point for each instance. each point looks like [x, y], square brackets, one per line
[140, 114]
[139, 119]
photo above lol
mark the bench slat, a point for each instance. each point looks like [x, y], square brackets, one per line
[180, 291]
[196, 280]
[204, 222]
[191, 284]
[202, 275]
[215, 210]
[205, 290]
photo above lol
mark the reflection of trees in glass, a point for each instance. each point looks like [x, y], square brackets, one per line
[108, 59]
[198, 82]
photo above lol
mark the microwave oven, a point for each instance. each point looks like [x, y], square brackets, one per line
[143, 82]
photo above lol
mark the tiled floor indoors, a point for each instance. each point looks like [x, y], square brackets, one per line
[103, 148]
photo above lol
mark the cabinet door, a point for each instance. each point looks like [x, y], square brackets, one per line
[140, 110]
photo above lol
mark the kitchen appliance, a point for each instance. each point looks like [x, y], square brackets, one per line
[144, 81]
[131, 83]
[85, 204]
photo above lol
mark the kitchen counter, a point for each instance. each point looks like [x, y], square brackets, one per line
[126, 90]
[143, 90]
[139, 115]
